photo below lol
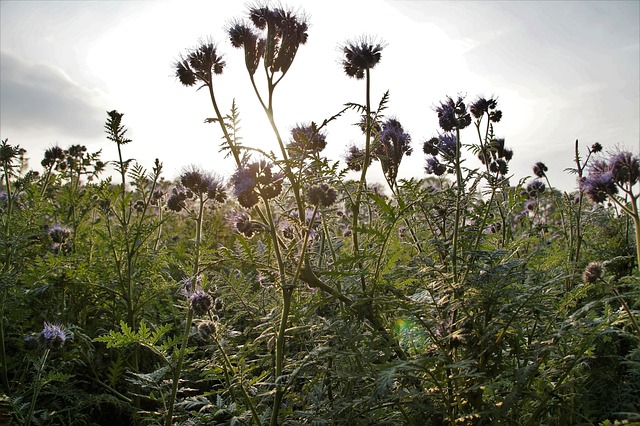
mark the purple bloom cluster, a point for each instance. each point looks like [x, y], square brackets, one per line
[535, 188]
[392, 144]
[201, 302]
[484, 106]
[272, 34]
[200, 63]
[496, 156]
[254, 180]
[321, 195]
[203, 184]
[53, 335]
[540, 169]
[605, 177]
[361, 55]
[444, 145]
[453, 114]
[306, 139]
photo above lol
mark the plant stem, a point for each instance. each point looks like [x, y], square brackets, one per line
[36, 391]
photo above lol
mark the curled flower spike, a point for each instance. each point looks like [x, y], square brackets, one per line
[393, 144]
[484, 106]
[203, 184]
[625, 168]
[355, 158]
[592, 273]
[306, 139]
[535, 188]
[254, 180]
[361, 55]
[201, 302]
[599, 186]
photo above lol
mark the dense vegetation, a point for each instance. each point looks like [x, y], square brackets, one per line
[291, 294]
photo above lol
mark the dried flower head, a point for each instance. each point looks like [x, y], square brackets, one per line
[592, 273]
[361, 55]
[53, 335]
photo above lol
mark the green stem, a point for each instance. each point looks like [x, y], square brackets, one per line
[38, 386]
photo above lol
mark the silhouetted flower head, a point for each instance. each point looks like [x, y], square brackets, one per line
[484, 106]
[200, 63]
[452, 114]
[275, 38]
[596, 147]
[200, 301]
[598, 186]
[306, 138]
[361, 55]
[256, 179]
[499, 166]
[625, 168]
[355, 158]
[592, 273]
[321, 195]
[539, 169]
[430, 147]
[435, 167]
[54, 336]
[177, 199]
[535, 188]
[203, 184]
[8, 153]
[53, 156]
[447, 144]
[245, 225]
[392, 144]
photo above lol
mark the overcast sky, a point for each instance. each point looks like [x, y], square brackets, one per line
[561, 71]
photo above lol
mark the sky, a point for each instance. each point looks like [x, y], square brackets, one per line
[560, 70]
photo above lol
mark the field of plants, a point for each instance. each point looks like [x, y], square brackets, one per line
[292, 292]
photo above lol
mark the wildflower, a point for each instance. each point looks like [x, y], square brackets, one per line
[200, 63]
[596, 147]
[361, 55]
[355, 158]
[535, 188]
[218, 305]
[306, 139]
[599, 186]
[539, 169]
[245, 225]
[256, 179]
[625, 168]
[321, 195]
[203, 184]
[200, 301]
[447, 144]
[484, 106]
[429, 147]
[53, 156]
[176, 201]
[435, 167]
[207, 328]
[393, 144]
[453, 114]
[499, 166]
[54, 336]
[592, 273]
[242, 36]
[59, 234]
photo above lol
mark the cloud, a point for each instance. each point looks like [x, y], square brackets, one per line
[39, 98]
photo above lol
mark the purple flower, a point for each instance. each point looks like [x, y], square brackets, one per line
[447, 144]
[434, 167]
[393, 144]
[200, 301]
[321, 195]
[535, 188]
[355, 158]
[361, 55]
[592, 273]
[54, 336]
[306, 139]
[625, 168]
[453, 114]
[59, 234]
[199, 64]
[539, 169]
[599, 186]
[484, 106]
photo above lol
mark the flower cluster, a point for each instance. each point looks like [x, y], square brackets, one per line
[361, 55]
[605, 177]
[535, 188]
[496, 156]
[245, 225]
[272, 34]
[453, 114]
[254, 180]
[391, 145]
[203, 184]
[321, 195]
[540, 169]
[483, 106]
[201, 63]
[53, 336]
[60, 238]
[592, 273]
[444, 145]
[201, 302]
[306, 139]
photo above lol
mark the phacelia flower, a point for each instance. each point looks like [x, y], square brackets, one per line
[256, 179]
[433, 166]
[244, 225]
[484, 106]
[430, 147]
[599, 186]
[535, 188]
[447, 144]
[200, 301]
[59, 234]
[306, 139]
[453, 114]
[596, 147]
[355, 158]
[592, 273]
[200, 63]
[539, 169]
[54, 336]
[53, 156]
[361, 55]
[625, 168]
[177, 200]
[321, 195]
[392, 144]
[203, 184]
